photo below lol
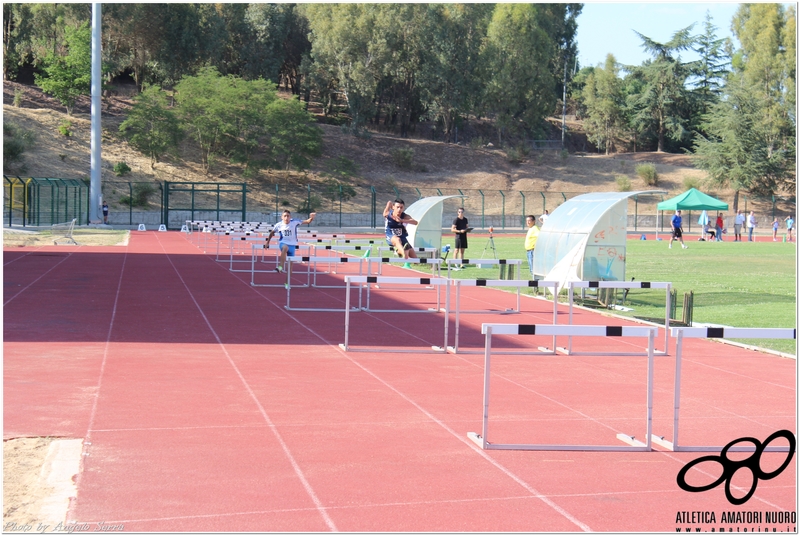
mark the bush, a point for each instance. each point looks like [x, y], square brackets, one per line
[623, 183]
[342, 167]
[403, 158]
[310, 205]
[691, 182]
[648, 173]
[121, 169]
[335, 190]
[15, 142]
[477, 142]
[514, 156]
[564, 154]
[141, 195]
[18, 94]
[65, 128]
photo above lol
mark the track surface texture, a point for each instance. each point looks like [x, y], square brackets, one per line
[204, 405]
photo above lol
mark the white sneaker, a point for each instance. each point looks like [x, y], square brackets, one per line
[669, 246]
[685, 246]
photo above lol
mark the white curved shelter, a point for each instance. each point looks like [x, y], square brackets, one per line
[428, 212]
[585, 238]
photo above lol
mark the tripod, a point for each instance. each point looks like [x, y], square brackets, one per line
[490, 243]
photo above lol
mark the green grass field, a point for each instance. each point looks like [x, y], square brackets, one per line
[735, 284]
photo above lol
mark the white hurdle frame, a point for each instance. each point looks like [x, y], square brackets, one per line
[435, 262]
[713, 332]
[508, 283]
[618, 285]
[314, 260]
[371, 279]
[490, 329]
[253, 271]
[487, 262]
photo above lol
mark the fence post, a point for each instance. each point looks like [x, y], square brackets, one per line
[635, 221]
[545, 202]
[309, 199]
[461, 194]
[503, 209]
[524, 201]
[483, 207]
[374, 207]
[340, 195]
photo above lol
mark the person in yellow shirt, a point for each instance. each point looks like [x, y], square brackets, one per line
[530, 240]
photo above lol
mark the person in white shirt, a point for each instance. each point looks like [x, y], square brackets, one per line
[543, 217]
[287, 232]
[751, 223]
[740, 219]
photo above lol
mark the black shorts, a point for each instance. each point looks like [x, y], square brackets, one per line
[677, 232]
[460, 241]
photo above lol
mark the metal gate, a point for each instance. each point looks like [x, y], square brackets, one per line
[202, 201]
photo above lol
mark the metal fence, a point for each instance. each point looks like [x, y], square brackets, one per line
[33, 201]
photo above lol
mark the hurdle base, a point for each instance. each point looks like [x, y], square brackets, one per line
[662, 442]
[477, 439]
[627, 439]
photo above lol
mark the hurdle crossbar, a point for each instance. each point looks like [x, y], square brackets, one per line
[435, 262]
[712, 332]
[371, 279]
[491, 329]
[387, 280]
[485, 262]
[618, 285]
[507, 283]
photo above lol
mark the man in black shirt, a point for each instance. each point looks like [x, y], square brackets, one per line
[460, 226]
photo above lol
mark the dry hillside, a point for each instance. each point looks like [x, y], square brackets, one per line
[447, 167]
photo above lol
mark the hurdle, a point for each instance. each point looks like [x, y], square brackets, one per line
[321, 260]
[385, 280]
[435, 262]
[235, 236]
[259, 244]
[624, 285]
[501, 262]
[491, 329]
[316, 259]
[432, 252]
[713, 332]
[259, 247]
[513, 283]
[371, 279]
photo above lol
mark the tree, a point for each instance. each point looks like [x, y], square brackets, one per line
[151, 127]
[294, 138]
[663, 103]
[712, 67]
[520, 86]
[225, 115]
[448, 80]
[604, 103]
[70, 76]
[738, 150]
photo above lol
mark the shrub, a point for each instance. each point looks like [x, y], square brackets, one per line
[121, 169]
[310, 205]
[477, 142]
[15, 142]
[18, 94]
[335, 189]
[140, 197]
[342, 167]
[691, 182]
[403, 158]
[648, 173]
[514, 155]
[65, 128]
[623, 183]
[564, 154]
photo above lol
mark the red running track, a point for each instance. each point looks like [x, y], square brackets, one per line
[205, 405]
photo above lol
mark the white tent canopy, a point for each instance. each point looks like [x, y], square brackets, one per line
[585, 238]
[428, 212]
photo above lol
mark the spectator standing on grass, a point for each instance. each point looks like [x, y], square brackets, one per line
[287, 240]
[530, 241]
[460, 226]
[740, 219]
[751, 224]
[789, 227]
[775, 226]
[105, 213]
[676, 229]
[396, 233]
[719, 226]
